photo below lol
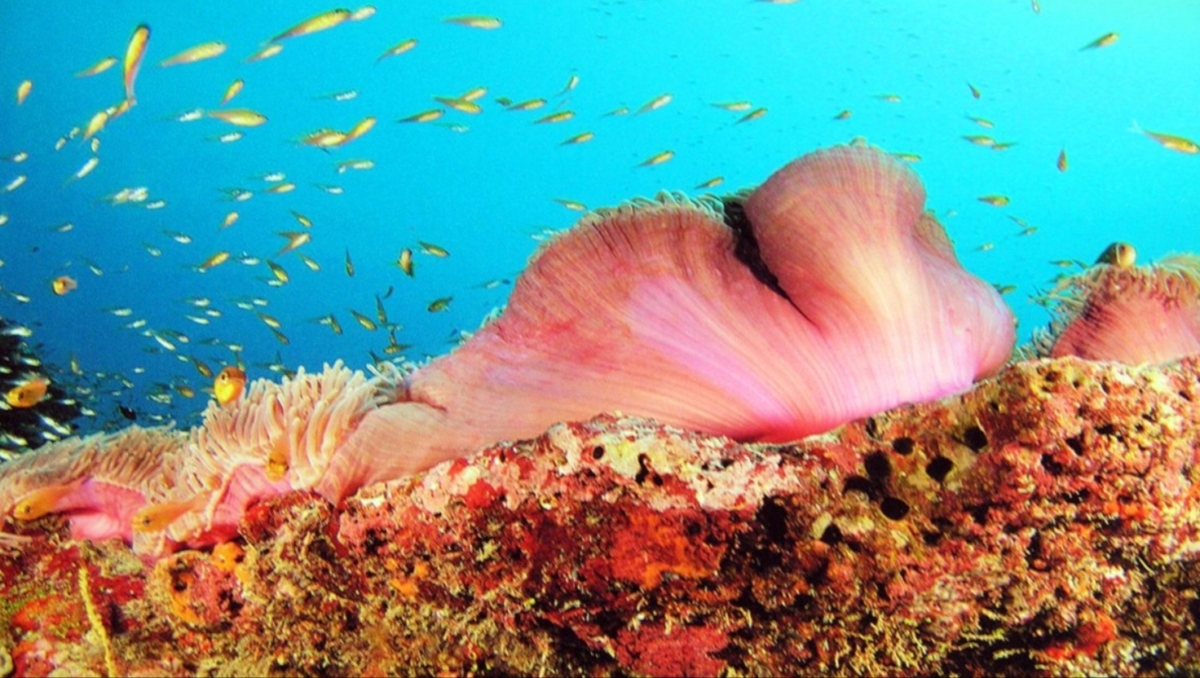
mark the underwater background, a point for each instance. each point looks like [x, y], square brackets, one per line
[1019, 117]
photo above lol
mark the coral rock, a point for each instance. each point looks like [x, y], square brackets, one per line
[1047, 521]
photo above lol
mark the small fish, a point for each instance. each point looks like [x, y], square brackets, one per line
[1119, 254]
[269, 321]
[16, 183]
[573, 205]
[277, 271]
[397, 49]
[294, 239]
[283, 187]
[189, 116]
[309, 262]
[528, 105]
[381, 312]
[1003, 146]
[345, 165]
[908, 157]
[330, 189]
[133, 59]
[230, 137]
[844, 115]
[474, 21]
[86, 168]
[431, 249]
[657, 159]
[1102, 41]
[363, 320]
[364, 12]
[1171, 141]
[332, 323]
[439, 305]
[735, 106]
[185, 390]
[320, 22]
[98, 67]
[582, 137]
[1062, 160]
[229, 385]
[23, 90]
[97, 123]
[265, 53]
[405, 261]
[349, 265]
[424, 116]
[229, 220]
[560, 116]
[994, 200]
[340, 96]
[360, 128]
[655, 103]
[711, 183]
[752, 115]
[63, 284]
[986, 247]
[889, 98]
[1005, 289]
[213, 261]
[620, 110]
[982, 122]
[572, 83]
[980, 140]
[304, 221]
[459, 104]
[191, 55]
[27, 394]
[974, 91]
[181, 238]
[17, 331]
[242, 117]
[234, 88]
[198, 319]
[323, 138]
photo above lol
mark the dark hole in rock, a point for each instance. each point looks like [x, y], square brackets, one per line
[939, 467]
[1076, 444]
[975, 438]
[1051, 465]
[903, 445]
[878, 467]
[1077, 497]
[894, 508]
[979, 514]
[1106, 429]
[859, 484]
[773, 518]
[597, 452]
[832, 535]
[931, 538]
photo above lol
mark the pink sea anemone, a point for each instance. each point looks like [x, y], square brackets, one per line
[826, 294]
[839, 297]
[1130, 314]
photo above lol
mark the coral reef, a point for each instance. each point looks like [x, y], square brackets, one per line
[1046, 521]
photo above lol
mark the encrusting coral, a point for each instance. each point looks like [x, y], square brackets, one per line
[1045, 522]
[854, 303]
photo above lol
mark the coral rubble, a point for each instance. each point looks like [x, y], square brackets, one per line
[1047, 521]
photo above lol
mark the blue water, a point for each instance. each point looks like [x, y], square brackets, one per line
[485, 193]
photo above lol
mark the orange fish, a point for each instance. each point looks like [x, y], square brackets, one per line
[133, 58]
[63, 284]
[229, 384]
[29, 393]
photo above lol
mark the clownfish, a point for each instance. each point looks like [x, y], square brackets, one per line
[229, 384]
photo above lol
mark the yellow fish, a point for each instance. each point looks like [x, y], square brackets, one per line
[294, 239]
[242, 117]
[733, 105]
[98, 67]
[405, 261]
[277, 271]
[304, 221]
[995, 200]
[27, 394]
[1062, 160]
[360, 128]
[320, 22]
[711, 183]
[229, 220]
[459, 104]
[1102, 41]
[1171, 141]
[528, 105]
[363, 320]
[97, 123]
[484, 22]
[133, 59]
[234, 88]
[265, 53]
[438, 305]
[1119, 254]
[191, 55]
[323, 138]
[23, 90]
[63, 284]
[430, 248]
[571, 204]
[424, 116]
[655, 104]
[582, 137]
[309, 262]
[974, 91]
[398, 49]
[753, 115]
[213, 261]
[228, 385]
[561, 116]
[349, 265]
[657, 159]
